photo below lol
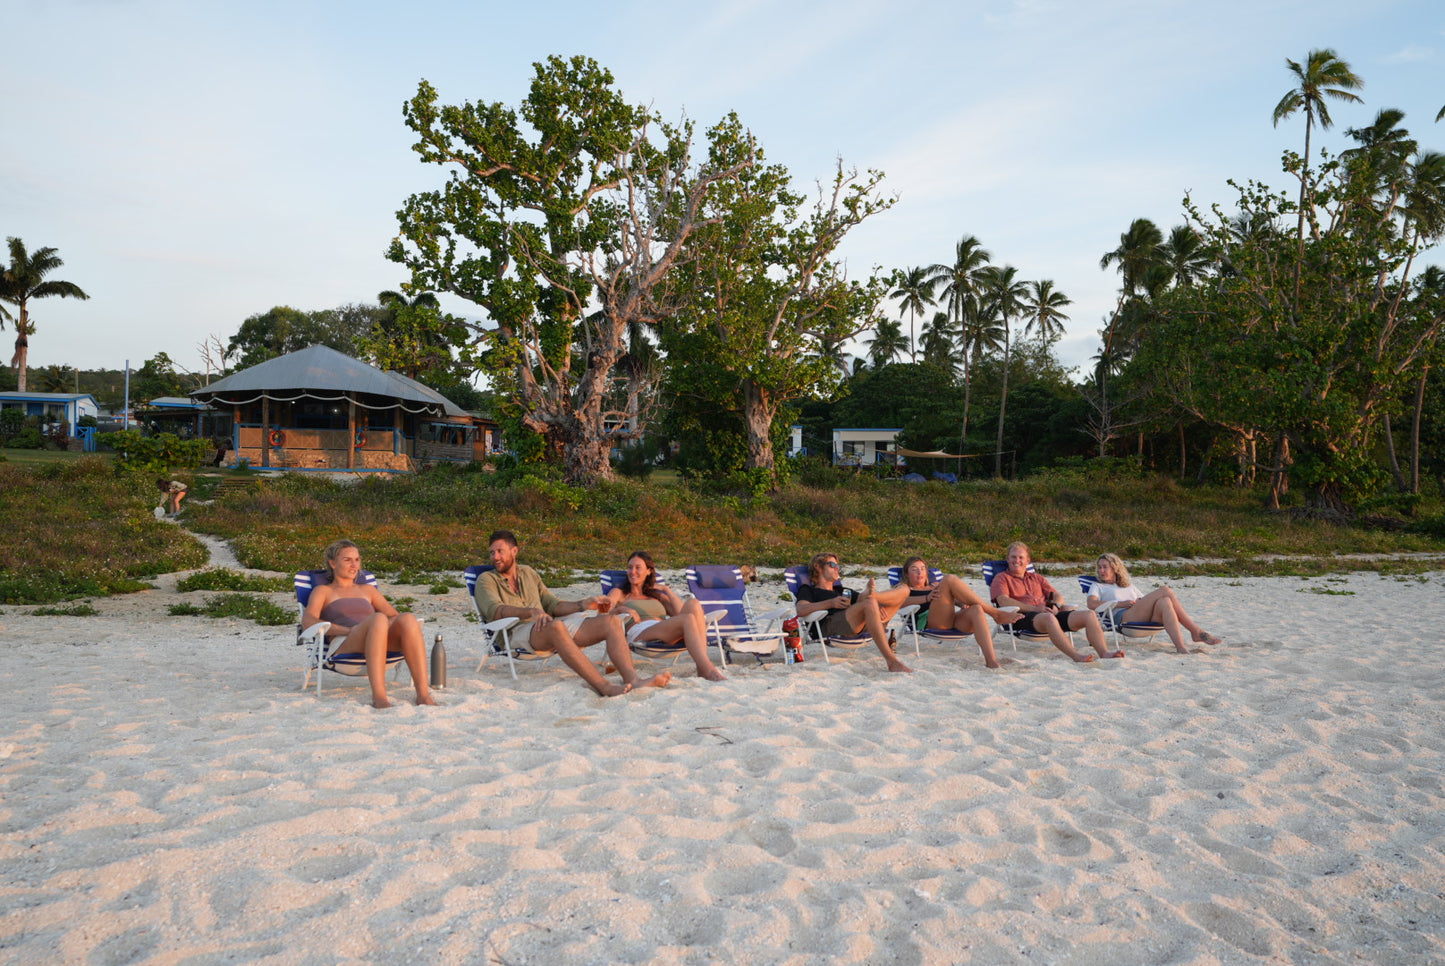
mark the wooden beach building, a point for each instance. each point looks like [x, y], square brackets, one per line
[318, 409]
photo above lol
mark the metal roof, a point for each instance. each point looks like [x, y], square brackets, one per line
[320, 372]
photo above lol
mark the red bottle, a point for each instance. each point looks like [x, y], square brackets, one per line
[792, 643]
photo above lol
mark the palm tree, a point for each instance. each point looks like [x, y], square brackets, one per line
[940, 342]
[1379, 164]
[1186, 255]
[887, 343]
[960, 282]
[1323, 75]
[1141, 249]
[915, 292]
[24, 280]
[1007, 295]
[1042, 305]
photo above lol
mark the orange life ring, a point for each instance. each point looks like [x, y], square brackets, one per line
[277, 438]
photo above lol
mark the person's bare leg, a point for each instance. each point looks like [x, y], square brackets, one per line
[369, 639]
[608, 627]
[961, 595]
[555, 637]
[1084, 620]
[695, 640]
[405, 635]
[1196, 633]
[982, 633]
[867, 614]
[1046, 623]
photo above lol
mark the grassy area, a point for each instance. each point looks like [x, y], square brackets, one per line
[439, 522]
[77, 528]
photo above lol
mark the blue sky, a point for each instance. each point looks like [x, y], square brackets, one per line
[199, 162]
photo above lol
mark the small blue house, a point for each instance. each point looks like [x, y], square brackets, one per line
[59, 406]
[56, 407]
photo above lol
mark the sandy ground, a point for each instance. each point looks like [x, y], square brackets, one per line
[168, 795]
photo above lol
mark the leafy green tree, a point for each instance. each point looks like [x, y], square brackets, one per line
[158, 377]
[22, 280]
[1323, 75]
[283, 329]
[416, 338]
[1318, 374]
[561, 220]
[759, 297]
[914, 292]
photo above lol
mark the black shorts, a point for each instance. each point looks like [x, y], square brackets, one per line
[1026, 623]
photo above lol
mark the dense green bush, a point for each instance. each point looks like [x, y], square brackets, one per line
[158, 454]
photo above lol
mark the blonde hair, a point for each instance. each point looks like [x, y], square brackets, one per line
[1019, 545]
[1121, 572]
[334, 551]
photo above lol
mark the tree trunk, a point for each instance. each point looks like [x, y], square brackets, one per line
[586, 461]
[1183, 454]
[22, 354]
[758, 412]
[1415, 433]
[1002, 404]
[1400, 483]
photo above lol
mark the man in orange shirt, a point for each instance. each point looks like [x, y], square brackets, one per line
[1043, 607]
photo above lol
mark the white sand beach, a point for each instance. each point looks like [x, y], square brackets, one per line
[168, 795]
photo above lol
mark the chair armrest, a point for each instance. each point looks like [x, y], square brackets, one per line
[1108, 606]
[776, 615]
[810, 619]
[907, 610]
[713, 616]
[312, 633]
[500, 624]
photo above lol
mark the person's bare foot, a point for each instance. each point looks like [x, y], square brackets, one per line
[1005, 617]
[1082, 658]
[712, 674]
[426, 699]
[1210, 639]
[992, 665]
[380, 702]
[898, 667]
[656, 681]
[1185, 650]
[1111, 654]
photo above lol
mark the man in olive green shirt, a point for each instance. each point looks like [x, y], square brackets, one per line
[515, 590]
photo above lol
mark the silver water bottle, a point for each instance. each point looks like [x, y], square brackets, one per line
[438, 663]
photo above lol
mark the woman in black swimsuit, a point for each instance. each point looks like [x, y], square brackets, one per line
[367, 624]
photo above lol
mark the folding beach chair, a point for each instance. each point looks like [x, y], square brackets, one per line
[318, 647]
[813, 623]
[732, 625]
[1142, 631]
[496, 635]
[991, 569]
